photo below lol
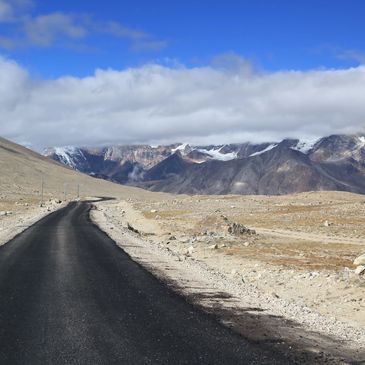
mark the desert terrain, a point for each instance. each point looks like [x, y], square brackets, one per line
[292, 258]
[274, 268]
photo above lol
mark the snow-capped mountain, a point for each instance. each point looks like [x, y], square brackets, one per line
[336, 162]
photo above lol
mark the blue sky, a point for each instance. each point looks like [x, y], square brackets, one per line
[164, 71]
[273, 35]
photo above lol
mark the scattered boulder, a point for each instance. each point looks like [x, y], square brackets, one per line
[345, 274]
[215, 224]
[246, 244]
[238, 229]
[172, 238]
[214, 247]
[131, 228]
[360, 270]
[190, 250]
[327, 224]
[360, 260]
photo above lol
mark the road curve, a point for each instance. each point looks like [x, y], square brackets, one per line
[69, 295]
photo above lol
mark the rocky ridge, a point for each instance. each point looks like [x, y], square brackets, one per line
[335, 162]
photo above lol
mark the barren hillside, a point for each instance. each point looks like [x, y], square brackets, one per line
[23, 170]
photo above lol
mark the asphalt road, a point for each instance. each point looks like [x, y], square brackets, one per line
[69, 295]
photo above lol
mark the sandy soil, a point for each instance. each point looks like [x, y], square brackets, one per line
[295, 253]
[297, 266]
[15, 217]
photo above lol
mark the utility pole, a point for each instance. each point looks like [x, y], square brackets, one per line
[65, 191]
[42, 188]
[78, 191]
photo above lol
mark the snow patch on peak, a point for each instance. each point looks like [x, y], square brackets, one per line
[216, 154]
[268, 148]
[361, 141]
[66, 153]
[304, 146]
[182, 147]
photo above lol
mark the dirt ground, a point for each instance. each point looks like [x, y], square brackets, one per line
[285, 275]
[302, 251]
[297, 265]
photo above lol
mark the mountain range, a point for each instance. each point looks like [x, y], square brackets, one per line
[336, 162]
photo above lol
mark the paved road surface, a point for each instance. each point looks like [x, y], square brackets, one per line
[69, 295]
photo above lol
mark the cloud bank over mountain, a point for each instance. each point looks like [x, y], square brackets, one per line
[159, 104]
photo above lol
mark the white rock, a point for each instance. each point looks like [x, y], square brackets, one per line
[360, 260]
[190, 250]
[360, 270]
[246, 244]
[153, 211]
[345, 273]
[213, 247]
[326, 224]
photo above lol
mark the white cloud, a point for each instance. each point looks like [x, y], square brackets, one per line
[44, 29]
[160, 104]
[6, 11]
[140, 41]
[65, 29]
[12, 10]
[352, 55]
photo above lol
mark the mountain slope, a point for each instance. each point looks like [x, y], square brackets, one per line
[22, 172]
[280, 171]
[336, 162]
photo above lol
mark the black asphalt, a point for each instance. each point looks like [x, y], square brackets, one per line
[69, 295]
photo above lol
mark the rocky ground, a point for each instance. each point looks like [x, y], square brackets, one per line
[274, 268]
[16, 216]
